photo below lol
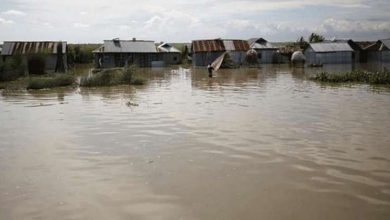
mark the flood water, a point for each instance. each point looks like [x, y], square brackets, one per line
[248, 144]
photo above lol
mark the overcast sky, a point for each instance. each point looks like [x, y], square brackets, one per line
[81, 21]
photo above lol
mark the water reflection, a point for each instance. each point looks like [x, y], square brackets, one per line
[249, 143]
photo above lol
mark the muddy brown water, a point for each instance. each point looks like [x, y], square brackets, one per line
[248, 144]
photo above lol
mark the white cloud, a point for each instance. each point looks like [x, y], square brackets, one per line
[13, 12]
[343, 25]
[80, 25]
[48, 24]
[4, 21]
[184, 20]
[245, 6]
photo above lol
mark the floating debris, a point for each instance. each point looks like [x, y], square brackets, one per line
[131, 104]
[39, 105]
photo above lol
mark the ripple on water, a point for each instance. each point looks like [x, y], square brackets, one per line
[363, 179]
[243, 140]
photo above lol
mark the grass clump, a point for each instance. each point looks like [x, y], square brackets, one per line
[50, 82]
[111, 77]
[358, 76]
[102, 78]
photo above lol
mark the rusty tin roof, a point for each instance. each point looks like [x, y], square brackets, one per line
[31, 47]
[207, 45]
[219, 45]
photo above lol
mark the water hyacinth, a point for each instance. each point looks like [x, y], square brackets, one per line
[357, 76]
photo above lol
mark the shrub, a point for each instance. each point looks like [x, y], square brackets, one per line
[102, 78]
[81, 53]
[12, 68]
[127, 75]
[50, 82]
[111, 77]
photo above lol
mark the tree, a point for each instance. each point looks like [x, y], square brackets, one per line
[314, 38]
[303, 44]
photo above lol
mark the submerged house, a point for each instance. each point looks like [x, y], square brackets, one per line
[170, 54]
[266, 52]
[237, 50]
[379, 51]
[53, 54]
[329, 53]
[205, 52]
[120, 53]
[359, 55]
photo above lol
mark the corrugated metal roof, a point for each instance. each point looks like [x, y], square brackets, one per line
[364, 44]
[260, 43]
[207, 45]
[229, 45]
[386, 42]
[236, 45]
[22, 47]
[127, 46]
[263, 46]
[331, 47]
[167, 48]
[379, 45]
[373, 47]
[241, 45]
[219, 45]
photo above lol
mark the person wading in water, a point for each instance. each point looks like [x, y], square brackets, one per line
[210, 69]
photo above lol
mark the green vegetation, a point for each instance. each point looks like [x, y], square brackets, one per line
[11, 68]
[183, 47]
[301, 43]
[109, 77]
[112, 77]
[81, 53]
[315, 38]
[57, 80]
[354, 76]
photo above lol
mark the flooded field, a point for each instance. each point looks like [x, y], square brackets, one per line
[248, 144]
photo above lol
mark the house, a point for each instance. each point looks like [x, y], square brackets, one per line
[379, 51]
[120, 53]
[329, 53]
[237, 50]
[53, 53]
[170, 54]
[359, 54]
[205, 52]
[266, 52]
